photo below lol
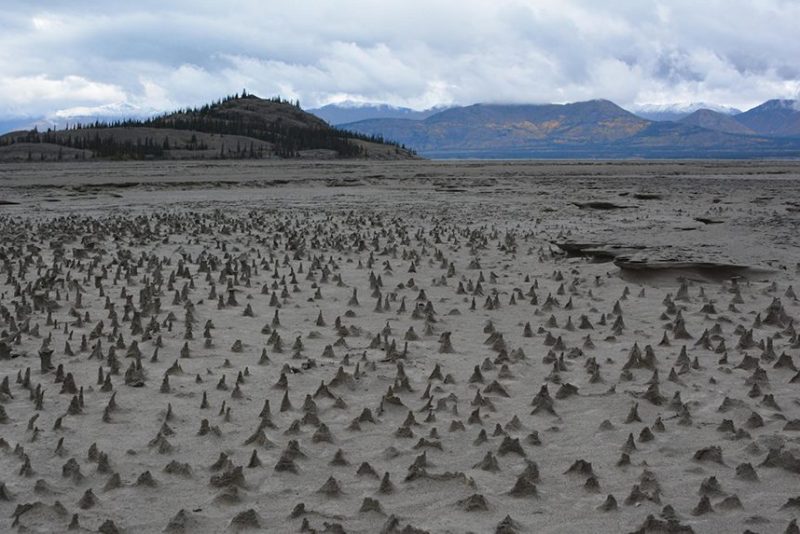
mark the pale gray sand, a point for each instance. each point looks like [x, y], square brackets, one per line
[503, 216]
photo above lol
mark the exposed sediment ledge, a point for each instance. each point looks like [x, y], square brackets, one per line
[641, 270]
[600, 205]
[598, 252]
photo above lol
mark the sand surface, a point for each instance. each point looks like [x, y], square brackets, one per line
[482, 368]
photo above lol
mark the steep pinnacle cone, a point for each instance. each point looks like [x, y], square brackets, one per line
[386, 486]
[370, 505]
[331, 488]
[445, 344]
[609, 505]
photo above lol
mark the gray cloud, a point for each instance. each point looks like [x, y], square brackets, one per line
[68, 57]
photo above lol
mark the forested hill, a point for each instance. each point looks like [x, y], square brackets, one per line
[236, 127]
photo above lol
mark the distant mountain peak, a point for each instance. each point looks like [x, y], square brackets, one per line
[676, 111]
[779, 117]
[683, 107]
[714, 120]
[778, 104]
[360, 104]
[353, 111]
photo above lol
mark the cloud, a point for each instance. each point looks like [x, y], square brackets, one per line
[24, 95]
[62, 57]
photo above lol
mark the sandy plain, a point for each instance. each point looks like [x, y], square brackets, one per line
[696, 432]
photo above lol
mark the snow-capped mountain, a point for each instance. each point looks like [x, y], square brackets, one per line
[346, 112]
[677, 111]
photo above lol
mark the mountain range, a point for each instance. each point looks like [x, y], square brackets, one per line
[250, 127]
[593, 129]
[349, 111]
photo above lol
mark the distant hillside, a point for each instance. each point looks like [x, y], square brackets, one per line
[773, 117]
[336, 114]
[482, 126]
[236, 127]
[714, 120]
[594, 129]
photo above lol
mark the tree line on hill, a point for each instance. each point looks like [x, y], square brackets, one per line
[286, 140]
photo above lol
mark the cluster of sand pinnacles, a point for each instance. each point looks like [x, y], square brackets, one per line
[345, 372]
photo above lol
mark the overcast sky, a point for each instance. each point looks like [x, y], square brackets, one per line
[59, 57]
